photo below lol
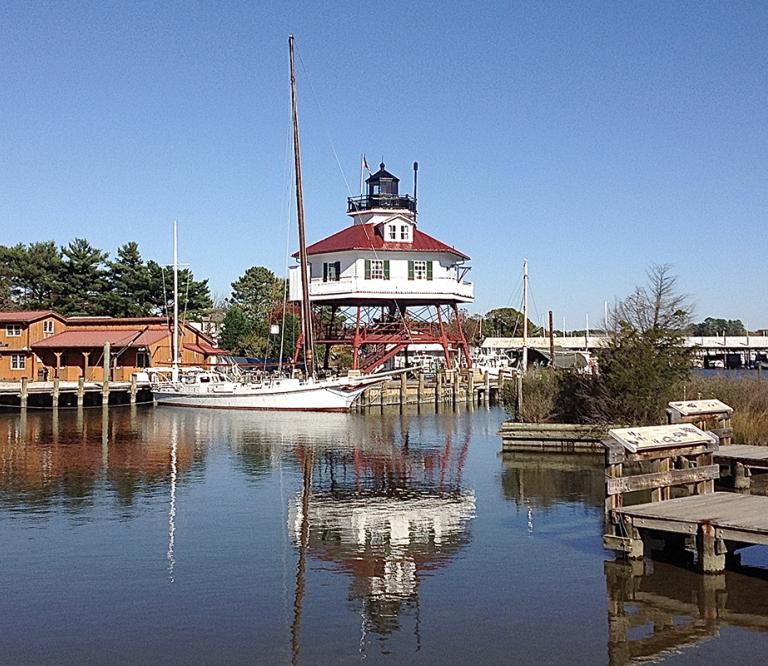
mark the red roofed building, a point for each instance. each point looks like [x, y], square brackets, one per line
[390, 283]
[18, 331]
[135, 343]
[36, 344]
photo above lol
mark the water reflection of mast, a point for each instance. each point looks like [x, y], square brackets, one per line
[301, 566]
[172, 507]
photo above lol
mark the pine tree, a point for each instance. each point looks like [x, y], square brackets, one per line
[33, 275]
[85, 279]
[234, 329]
[130, 284]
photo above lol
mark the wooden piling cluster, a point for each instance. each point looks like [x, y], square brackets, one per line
[58, 394]
[51, 394]
[445, 387]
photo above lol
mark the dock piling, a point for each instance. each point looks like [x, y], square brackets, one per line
[24, 392]
[55, 394]
[80, 391]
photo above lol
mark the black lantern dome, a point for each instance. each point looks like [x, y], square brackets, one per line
[382, 183]
[383, 192]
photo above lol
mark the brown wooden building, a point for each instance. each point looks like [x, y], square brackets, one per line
[43, 344]
[18, 332]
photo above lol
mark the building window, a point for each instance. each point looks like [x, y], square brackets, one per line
[48, 328]
[13, 330]
[419, 270]
[18, 362]
[142, 359]
[377, 269]
[392, 232]
[404, 235]
[331, 271]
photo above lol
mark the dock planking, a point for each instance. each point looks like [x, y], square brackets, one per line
[746, 454]
[742, 518]
[683, 457]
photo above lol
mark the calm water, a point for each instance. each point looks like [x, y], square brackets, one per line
[163, 535]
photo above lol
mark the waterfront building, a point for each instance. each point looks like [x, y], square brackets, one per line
[43, 345]
[382, 283]
[18, 331]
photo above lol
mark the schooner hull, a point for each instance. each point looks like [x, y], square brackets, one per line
[314, 399]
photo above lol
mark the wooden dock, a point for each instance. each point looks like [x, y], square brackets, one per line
[681, 456]
[552, 437]
[445, 387]
[62, 394]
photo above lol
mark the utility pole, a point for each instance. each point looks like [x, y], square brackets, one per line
[552, 339]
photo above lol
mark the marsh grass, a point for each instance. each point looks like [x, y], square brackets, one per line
[749, 399]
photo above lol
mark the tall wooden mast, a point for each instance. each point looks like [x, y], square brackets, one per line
[306, 307]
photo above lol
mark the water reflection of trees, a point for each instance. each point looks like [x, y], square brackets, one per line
[65, 459]
[543, 480]
[385, 511]
[656, 609]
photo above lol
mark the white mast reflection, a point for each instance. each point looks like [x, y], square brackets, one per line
[172, 508]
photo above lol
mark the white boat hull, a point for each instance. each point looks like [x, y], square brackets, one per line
[285, 395]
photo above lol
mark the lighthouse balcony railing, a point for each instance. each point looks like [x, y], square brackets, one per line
[358, 286]
[373, 201]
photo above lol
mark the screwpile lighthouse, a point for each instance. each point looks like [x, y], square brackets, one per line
[382, 284]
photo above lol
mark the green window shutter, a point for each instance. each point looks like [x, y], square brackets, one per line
[325, 271]
[429, 270]
[367, 269]
[410, 270]
[386, 269]
[338, 271]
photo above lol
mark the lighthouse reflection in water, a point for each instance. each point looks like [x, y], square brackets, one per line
[384, 513]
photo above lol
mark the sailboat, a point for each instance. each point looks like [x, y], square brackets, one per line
[214, 390]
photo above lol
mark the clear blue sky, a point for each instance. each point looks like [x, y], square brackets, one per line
[592, 138]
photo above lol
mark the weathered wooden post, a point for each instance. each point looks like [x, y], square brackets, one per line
[106, 374]
[134, 389]
[471, 385]
[382, 393]
[403, 389]
[487, 387]
[420, 389]
[741, 478]
[55, 394]
[80, 391]
[438, 387]
[24, 393]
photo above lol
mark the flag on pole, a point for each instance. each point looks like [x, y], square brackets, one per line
[365, 164]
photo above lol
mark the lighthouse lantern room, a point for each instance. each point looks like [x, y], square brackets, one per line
[381, 284]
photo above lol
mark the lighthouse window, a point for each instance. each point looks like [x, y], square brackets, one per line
[393, 232]
[331, 271]
[377, 269]
[419, 270]
[404, 232]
